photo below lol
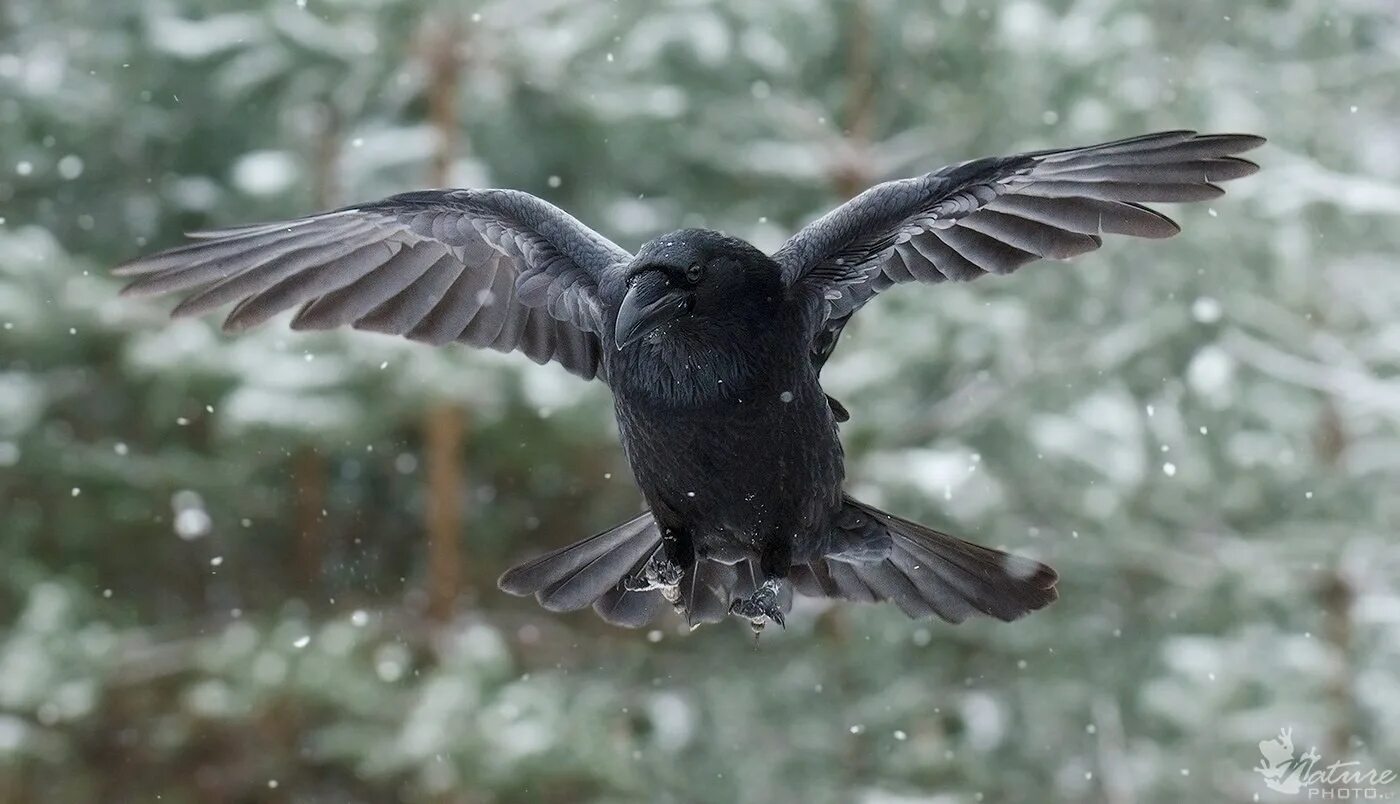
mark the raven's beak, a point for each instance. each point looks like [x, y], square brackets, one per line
[649, 303]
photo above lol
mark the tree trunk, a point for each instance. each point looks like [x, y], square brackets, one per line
[1336, 595]
[852, 173]
[444, 431]
[444, 424]
[309, 471]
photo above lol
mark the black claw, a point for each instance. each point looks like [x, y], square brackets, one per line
[669, 573]
[658, 573]
[760, 607]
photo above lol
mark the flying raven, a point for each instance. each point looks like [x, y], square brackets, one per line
[713, 351]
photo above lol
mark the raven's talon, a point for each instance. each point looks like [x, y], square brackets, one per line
[658, 573]
[760, 607]
[669, 573]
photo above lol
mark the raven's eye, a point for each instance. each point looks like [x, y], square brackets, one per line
[693, 273]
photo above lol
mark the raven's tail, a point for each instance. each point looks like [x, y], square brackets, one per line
[869, 556]
[585, 572]
[875, 556]
[590, 572]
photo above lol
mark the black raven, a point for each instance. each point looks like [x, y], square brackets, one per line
[713, 351]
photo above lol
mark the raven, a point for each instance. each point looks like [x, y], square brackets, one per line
[713, 351]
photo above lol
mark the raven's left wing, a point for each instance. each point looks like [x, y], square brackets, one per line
[499, 269]
[991, 216]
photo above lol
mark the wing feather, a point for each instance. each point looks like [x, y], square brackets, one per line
[306, 279]
[492, 268]
[1086, 215]
[1030, 236]
[344, 306]
[403, 312]
[992, 216]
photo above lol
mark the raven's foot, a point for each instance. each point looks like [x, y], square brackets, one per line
[761, 606]
[660, 573]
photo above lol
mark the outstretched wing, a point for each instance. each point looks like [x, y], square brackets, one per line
[491, 268]
[991, 216]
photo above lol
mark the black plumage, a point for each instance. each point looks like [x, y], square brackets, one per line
[713, 351]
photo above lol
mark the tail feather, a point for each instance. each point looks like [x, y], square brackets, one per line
[707, 592]
[812, 581]
[994, 583]
[573, 577]
[590, 572]
[924, 572]
[630, 609]
[704, 589]
[869, 556]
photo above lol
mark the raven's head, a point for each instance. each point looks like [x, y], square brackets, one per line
[694, 279]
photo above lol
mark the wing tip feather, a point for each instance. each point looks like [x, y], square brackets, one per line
[135, 290]
[132, 267]
[1245, 142]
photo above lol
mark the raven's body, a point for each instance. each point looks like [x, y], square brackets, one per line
[713, 351]
[725, 424]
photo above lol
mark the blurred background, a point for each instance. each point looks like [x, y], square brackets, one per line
[262, 569]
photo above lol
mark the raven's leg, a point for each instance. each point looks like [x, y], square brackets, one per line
[764, 605]
[664, 570]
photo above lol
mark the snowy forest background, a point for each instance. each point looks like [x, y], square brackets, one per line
[262, 569]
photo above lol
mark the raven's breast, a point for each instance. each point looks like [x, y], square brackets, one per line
[738, 471]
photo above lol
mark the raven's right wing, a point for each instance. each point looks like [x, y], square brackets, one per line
[991, 216]
[492, 268]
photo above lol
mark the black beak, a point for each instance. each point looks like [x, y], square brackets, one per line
[649, 303]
